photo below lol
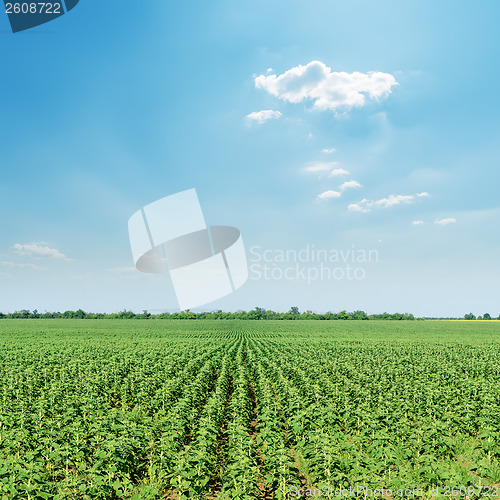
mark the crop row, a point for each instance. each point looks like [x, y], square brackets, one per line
[241, 413]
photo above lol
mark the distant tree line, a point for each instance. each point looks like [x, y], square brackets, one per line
[470, 316]
[485, 316]
[258, 313]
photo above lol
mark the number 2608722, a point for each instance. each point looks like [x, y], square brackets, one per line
[33, 8]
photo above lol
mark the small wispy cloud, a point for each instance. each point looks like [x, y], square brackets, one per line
[417, 222]
[350, 185]
[445, 221]
[319, 167]
[392, 200]
[328, 151]
[358, 207]
[263, 116]
[16, 265]
[325, 167]
[328, 195]
[38, 250]
[338, 171]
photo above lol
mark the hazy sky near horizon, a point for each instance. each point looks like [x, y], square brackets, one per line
[331, 126]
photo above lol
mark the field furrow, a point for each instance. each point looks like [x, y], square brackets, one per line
[239, 410]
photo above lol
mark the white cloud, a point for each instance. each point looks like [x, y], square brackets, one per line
[357, 207]
[263, 116]
[350, 185]
[327, 195]
[14, 265]
[319, 167]
[423, 195]
[391, 201]
[446, 221]
[38, 250]
[328, 151]
[269, 70]
[338, 171]
[417, 222]
[322, 168]
[326, 89]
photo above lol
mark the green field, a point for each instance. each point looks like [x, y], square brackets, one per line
[246, 409]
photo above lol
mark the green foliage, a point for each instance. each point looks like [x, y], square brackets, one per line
[258, 313]
[244, 409]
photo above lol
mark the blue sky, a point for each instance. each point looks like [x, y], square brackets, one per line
[116, 105]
